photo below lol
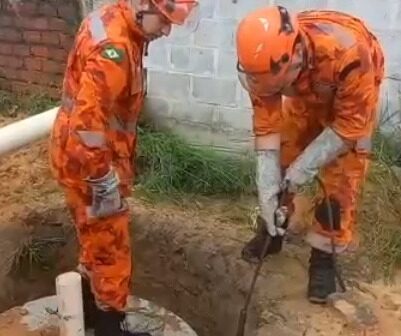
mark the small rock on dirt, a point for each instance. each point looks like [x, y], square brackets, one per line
[392, 301]
[357, 314]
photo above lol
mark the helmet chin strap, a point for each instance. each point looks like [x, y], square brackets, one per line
[139, 20]
[141, 7]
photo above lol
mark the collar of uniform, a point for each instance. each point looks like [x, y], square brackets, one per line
[310, 58]
[301, 84]
[129, 15]
[309, 48]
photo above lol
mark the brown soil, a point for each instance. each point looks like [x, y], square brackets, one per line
[186, 259]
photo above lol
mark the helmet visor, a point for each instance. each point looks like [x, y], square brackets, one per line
[184, 14]
[178, 11]
[265, 83]
[189, 25]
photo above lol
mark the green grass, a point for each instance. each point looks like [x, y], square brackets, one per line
[12, 104]
[33, 253]
[387, 148]
[169, 166]
[380, 210]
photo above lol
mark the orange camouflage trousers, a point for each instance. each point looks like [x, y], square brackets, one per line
[342, 178]
[105, 251]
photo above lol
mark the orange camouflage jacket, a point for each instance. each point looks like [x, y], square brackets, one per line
[103, 91]
[345, 68]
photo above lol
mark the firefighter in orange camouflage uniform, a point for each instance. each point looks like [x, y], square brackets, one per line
[93, 142]
[314, 80]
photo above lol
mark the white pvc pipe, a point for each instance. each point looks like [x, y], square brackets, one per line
[26, 131]
[70, 307]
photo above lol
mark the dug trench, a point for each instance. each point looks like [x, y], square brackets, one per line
[178, 265]
[186, 258]
[186, 262]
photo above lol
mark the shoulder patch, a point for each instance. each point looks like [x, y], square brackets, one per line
[112, 53]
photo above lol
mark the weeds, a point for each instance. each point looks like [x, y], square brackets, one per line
[39, 103]
[6, 102]
[33, 252]
[387, 149]
[12, 104]
[168, 165]
[380, 210]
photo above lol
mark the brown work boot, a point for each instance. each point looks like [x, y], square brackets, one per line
[111, 323]
[253, 249]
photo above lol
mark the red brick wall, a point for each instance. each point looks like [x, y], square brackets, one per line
[35, 37]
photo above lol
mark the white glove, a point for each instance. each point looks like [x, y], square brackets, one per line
[268, 177]
[321, 151]
[295, 178]
[106, 198]
[106, 184]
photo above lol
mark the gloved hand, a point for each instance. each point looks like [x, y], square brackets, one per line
[253, 249]
[321, 151]
[268, 182]
[268, 178]
[296, 177]
[268, 215]
[106, 198]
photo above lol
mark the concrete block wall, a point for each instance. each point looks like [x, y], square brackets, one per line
[193, 86]
[195, 76]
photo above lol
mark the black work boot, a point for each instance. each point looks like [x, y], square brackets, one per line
[110, 323]
[254, 248]
[322, 276]
[89, 304]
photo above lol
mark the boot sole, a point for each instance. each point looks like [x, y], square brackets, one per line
[250, 258]
[317, 300]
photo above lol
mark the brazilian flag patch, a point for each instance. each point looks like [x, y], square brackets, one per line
[112, 53]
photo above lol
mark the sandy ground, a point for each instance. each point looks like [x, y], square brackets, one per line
[187, 258]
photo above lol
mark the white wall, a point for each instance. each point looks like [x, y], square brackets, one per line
[193, 87]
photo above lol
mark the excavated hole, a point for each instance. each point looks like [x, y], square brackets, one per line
[185, 268]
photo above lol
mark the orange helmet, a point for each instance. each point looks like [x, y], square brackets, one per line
[177, 11]
[265, 46]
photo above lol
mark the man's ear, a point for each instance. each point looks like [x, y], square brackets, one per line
[141, 5]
